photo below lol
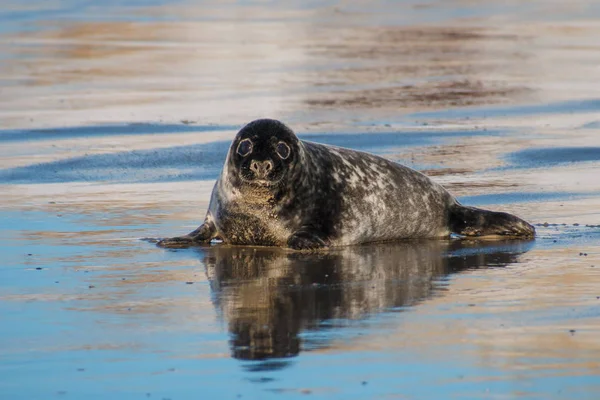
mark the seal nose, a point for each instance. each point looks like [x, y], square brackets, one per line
[261, 168]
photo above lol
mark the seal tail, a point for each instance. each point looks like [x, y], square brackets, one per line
[471, 221]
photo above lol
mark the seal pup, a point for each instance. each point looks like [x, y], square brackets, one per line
[278, 190]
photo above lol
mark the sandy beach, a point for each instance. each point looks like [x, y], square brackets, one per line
[115, 122]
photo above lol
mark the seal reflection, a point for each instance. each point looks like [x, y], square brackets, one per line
[269, 296]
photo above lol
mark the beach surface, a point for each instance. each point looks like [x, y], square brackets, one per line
[114, 124]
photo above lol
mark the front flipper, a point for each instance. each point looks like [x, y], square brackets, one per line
[204, 234]
[303, 240]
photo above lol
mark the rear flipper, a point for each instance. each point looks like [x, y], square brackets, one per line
[204, 234]
[471, 221]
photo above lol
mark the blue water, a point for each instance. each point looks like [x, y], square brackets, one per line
[123, 319]
[551, 157]
[38, 13]
[559, 107]
[92, 311]
[55, 134]
[520, 197]
[181, 163]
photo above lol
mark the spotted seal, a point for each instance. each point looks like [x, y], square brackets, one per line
[278, 190]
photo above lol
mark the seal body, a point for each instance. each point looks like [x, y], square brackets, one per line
[277, 190]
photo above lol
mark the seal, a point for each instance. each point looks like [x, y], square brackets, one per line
[278, 190]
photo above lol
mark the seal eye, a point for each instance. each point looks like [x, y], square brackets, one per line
[245, 147]
[283, 150]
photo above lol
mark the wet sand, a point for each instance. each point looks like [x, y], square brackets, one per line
[114, 125]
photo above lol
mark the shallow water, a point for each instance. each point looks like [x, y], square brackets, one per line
[114, 122]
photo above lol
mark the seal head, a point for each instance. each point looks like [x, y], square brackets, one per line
[262, 154]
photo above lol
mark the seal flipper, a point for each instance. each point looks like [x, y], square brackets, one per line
[203, 234]
[471, 221]
[304, 240]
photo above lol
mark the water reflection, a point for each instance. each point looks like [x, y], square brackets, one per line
[270, 296]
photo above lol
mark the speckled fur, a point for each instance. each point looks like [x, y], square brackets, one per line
[331, 196]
